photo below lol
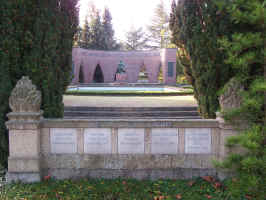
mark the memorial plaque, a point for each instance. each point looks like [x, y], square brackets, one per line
[198, 140]
[97, 141]
[63, 140]
[131, 141]
[164, 140]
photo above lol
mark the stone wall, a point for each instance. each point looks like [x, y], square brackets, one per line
[108, 148]
[133, 60]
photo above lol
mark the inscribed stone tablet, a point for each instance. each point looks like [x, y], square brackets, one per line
[131, 141]
[97, 141]
[164, 140]
[198, 140]
[63, 140]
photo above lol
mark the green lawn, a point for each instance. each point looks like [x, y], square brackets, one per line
[199, 189]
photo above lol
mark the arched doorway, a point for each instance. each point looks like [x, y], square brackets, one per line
[98, 75]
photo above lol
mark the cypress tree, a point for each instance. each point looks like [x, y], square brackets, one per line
[85, 35]
[38, 43]
[109, 41]
[196, 27]
[97, 35]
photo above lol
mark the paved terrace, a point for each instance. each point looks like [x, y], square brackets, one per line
[130, 101]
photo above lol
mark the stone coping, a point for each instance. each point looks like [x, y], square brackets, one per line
[129, 123]
[122, 85]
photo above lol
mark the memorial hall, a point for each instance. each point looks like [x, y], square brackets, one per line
[124, 66]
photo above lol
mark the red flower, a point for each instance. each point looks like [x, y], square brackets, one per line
[178, 196]
[208, 196]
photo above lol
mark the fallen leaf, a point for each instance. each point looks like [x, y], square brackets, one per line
[234, 180]
[190, 183]
[217, 185]
[208, 178]
[208, 196]
[46, 178]
[248, 197]
[178, 196]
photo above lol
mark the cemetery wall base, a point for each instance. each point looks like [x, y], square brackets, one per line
[111, 148]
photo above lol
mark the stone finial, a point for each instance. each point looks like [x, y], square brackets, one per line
[231, 98]
[25, 97]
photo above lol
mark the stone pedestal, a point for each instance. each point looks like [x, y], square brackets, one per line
[121, 77]
[226, 131]
[24, 133]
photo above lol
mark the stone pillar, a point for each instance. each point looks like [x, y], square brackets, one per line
[24, 133]
[230, 99]
[226, 130]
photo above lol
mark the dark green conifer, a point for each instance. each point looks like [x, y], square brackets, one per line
[196, 27]
[246, 53]
[37, 42]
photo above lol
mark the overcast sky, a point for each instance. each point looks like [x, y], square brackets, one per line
[126, 13]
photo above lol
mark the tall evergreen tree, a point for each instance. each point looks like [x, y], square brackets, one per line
[136, 39]
[78, 37]
[97, 34]
[37, 44]
[159, 28]
[109, 41]
[85, 35]
[196, 27]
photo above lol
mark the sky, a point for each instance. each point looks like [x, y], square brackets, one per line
[125, 13]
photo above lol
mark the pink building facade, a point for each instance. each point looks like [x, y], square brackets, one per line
[101, 66]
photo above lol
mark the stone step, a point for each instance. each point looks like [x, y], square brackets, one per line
[128, 109]
[112, 113]
[139, 112]
[133, 117]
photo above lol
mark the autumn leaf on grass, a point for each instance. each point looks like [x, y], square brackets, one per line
[208, 178]
[190, 183]
[46, 178]
[217, 185]
[178, 196]
[158, 198]
[234, 180]
[248, 197]
[208, 196]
